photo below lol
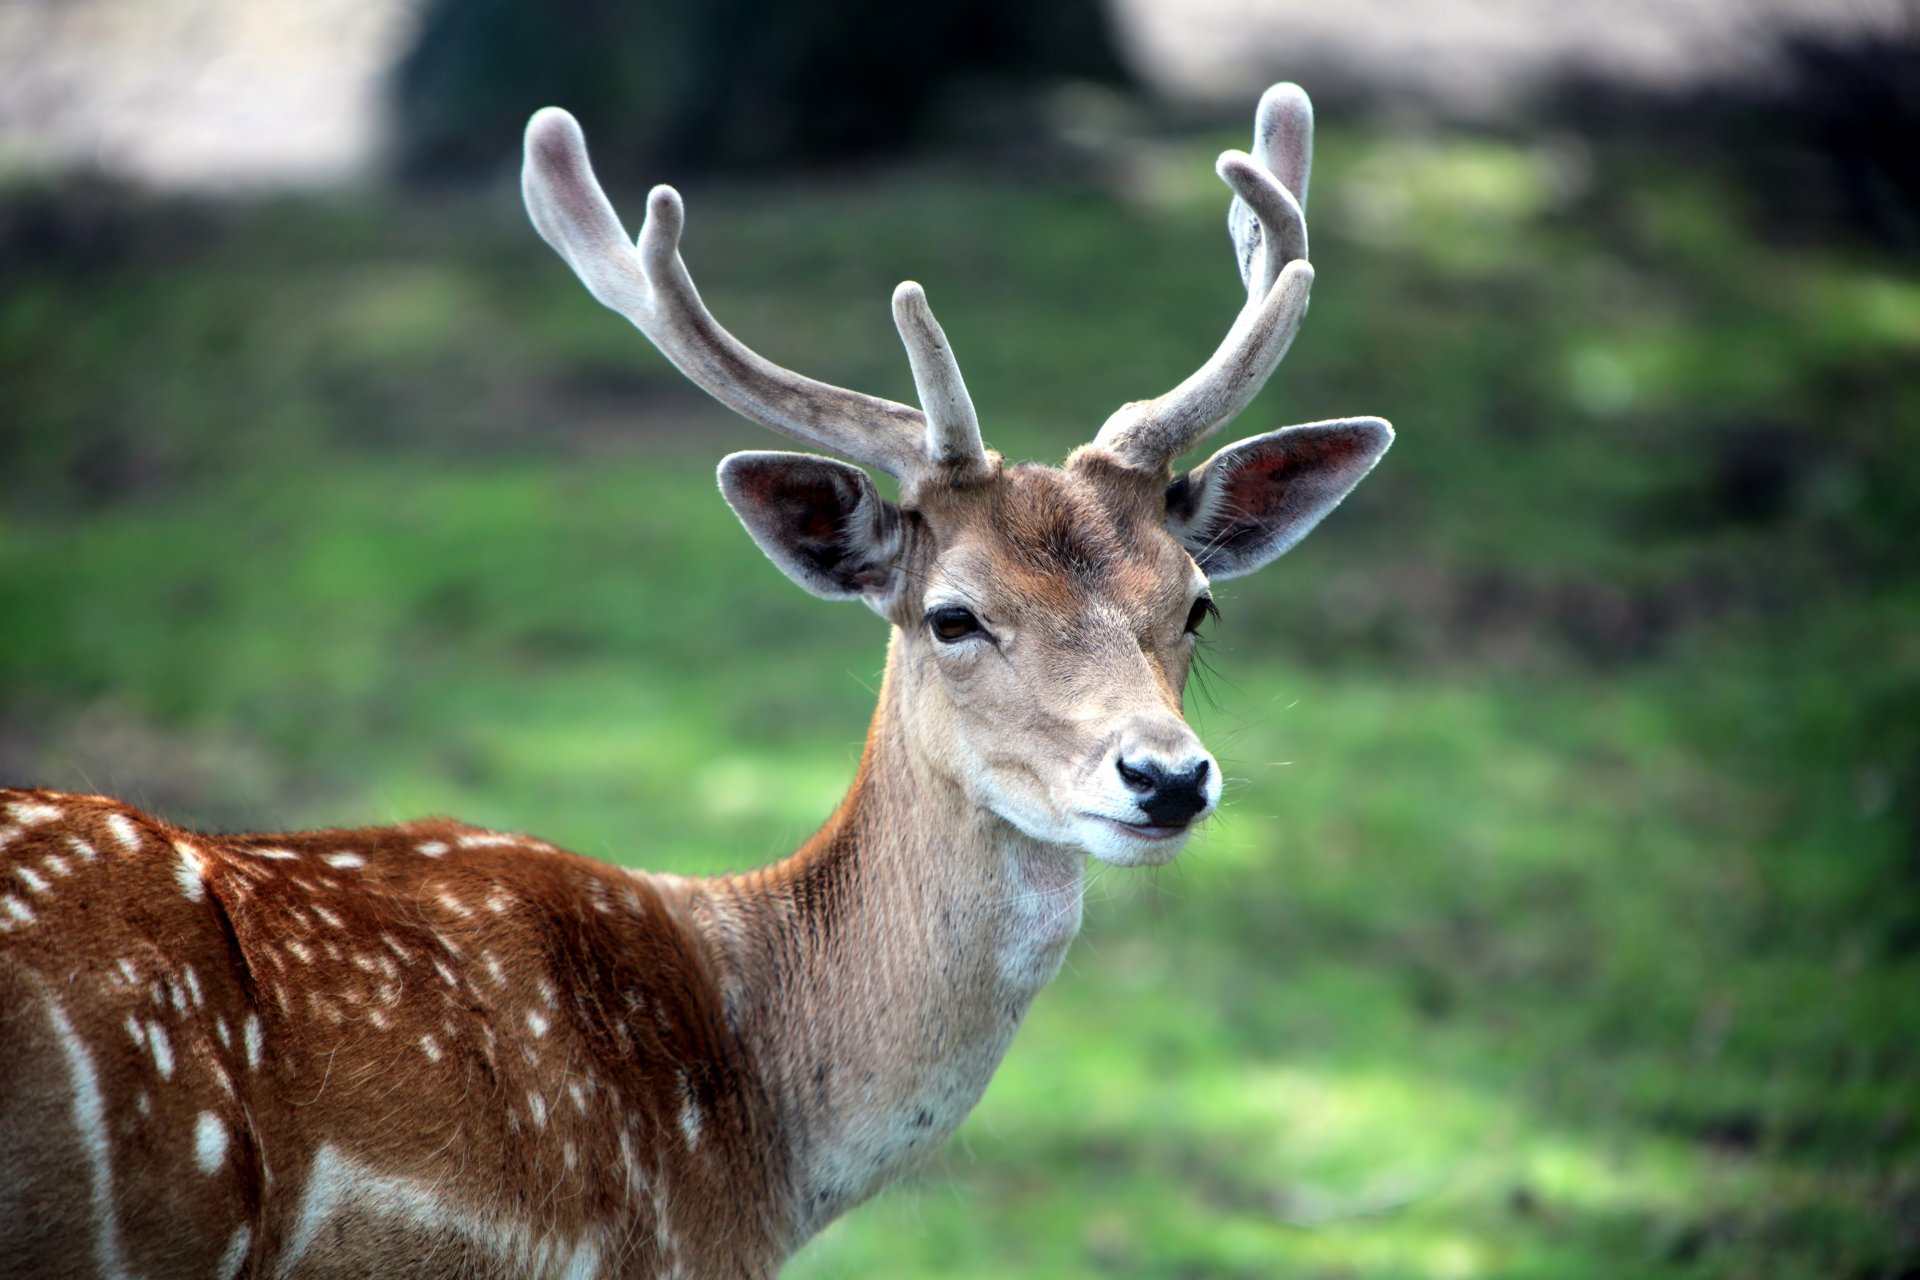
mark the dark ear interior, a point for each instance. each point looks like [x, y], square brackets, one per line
[821, 521]
[1253, 500]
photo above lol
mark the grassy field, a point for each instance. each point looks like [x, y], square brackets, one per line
[1564, 919]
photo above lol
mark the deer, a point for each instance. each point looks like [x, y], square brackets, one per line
[435, 1049]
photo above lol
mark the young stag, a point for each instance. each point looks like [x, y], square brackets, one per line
[431, 1049]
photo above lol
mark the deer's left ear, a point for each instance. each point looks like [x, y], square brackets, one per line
[1253, 500]
[821, 521]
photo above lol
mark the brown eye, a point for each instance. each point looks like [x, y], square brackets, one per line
[951, 623]
[1203, 608]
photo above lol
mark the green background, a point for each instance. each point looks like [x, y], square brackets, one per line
[1561, 918]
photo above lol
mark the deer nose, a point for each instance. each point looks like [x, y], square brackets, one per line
[1169, 799]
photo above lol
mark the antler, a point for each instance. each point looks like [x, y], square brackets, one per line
[649, 285]
[1268, 223]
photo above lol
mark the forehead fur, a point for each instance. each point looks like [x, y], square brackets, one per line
[1040, 530]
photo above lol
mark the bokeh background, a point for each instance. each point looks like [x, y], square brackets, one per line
[1564, 915]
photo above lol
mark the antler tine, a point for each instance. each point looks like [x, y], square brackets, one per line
[1267, 221]
[953, 429]
[649, 285]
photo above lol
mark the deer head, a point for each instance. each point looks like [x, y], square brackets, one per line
[1044, 618]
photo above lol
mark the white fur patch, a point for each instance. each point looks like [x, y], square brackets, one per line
[209, 1142]
[236, 1255]
[124, 831]
[31, 813]
[692, 1119]
[90, 1120]
[162, 1049]
[191, 872]
[337, 1182]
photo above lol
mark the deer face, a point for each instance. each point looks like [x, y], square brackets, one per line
[1044, 638]
[1044, 617]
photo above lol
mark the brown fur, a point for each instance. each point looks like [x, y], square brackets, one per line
[828, 1020]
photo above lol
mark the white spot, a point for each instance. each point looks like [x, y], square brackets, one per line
[430, 1047]
[193, 987]
[34, 881]
[494, 970]
[221, 1029]
[143, 1103]
[365, 964]
[86, 851]
[690, 1114]
[17, 909]
[379, 1018]
[579, 1098]
[127, 971]
[300, 949]
[571, 1156]
[278, 855]
[162, 1049]
[177, 994]
[328, 916]
[124, 831]
[137, 1029]
[56, 865]
[456, 906]
[8, 835]
[90, 1118]
[537, 1106]
[537, 1023]
[209, 1142]
[446, 974]
[547, 993]
[393, 945]
[252, 1033]
[488, 840]
[431, 848]
[236, 1255]
[344, 861]
[31, 813]
[191, 871]
[499, 901]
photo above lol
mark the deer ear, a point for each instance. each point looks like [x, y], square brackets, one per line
[821, 521]
[1253, 500]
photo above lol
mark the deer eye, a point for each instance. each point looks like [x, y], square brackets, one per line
[951, 623]
[1203, 608]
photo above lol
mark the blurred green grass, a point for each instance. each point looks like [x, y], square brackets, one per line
[1563, 916]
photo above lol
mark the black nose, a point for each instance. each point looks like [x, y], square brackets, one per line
[1168, 799]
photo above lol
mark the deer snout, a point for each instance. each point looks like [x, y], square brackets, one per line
[1163, 772]
[1169, 796]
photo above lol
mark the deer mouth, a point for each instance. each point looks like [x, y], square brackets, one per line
[1141, 830]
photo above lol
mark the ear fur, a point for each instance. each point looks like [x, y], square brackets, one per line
[821, 521]
[1254, 499]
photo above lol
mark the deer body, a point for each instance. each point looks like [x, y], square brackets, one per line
[434, 1050]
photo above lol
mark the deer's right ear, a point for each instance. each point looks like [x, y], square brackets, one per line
[820, 520]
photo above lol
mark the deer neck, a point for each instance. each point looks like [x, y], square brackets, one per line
[877, 976]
